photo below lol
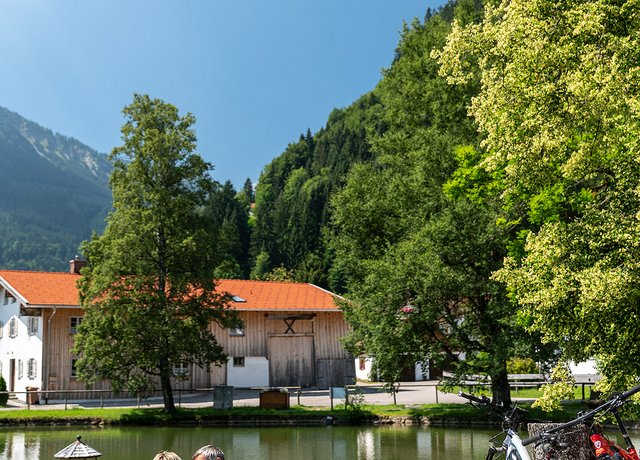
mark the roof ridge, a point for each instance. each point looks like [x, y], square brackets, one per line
[36, 271]
[301, 283]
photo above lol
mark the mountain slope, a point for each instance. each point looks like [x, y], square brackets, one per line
[53, 193]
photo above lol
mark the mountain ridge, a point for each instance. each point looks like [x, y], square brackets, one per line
[53, 194]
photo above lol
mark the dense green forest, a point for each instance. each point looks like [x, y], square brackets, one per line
[482, 198]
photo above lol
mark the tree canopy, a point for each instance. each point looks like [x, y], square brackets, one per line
[558, 108]
[418, 233]
[148, 290]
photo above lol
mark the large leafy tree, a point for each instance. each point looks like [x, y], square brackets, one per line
[559, 108]
[418, 232]
[148, 290]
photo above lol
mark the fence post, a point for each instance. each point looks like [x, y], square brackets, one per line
[436, 387]
[65, 401]
[299, 395]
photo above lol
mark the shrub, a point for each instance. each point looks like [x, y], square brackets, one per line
[522, 366]
[4, 396]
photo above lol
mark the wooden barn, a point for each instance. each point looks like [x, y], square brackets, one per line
[290, 336]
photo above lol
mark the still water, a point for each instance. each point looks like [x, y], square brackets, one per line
[273, 443]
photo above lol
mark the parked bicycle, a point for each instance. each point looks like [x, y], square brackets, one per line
[514, 447]
[603, 447]
[511, 418]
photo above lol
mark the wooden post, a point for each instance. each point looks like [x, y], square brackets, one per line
[576, 437]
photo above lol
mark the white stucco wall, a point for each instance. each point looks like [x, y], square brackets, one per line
[254, 373]
[364, 365]
[363, 369]
[21, 348]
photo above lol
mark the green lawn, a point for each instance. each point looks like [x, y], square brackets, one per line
[453, 413]
[527, 393]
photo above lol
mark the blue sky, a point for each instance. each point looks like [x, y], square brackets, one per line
[255, 73]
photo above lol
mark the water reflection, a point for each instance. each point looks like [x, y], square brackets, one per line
[19, 446]
[274, 443]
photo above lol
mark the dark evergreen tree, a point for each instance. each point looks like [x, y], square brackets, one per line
[230, 218]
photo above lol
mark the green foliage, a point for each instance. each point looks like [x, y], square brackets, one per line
[417, 233]
[292, 213]
[560, 388]
[279, 274]
[558, 109]
[228, 215]
[4, 395]
[261, 266]
[148, 290]
[522, 366]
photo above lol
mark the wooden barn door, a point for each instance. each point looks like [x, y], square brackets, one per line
[291, 351]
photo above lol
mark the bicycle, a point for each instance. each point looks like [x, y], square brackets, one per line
[514, 447]
[512, 444]
[603, 447]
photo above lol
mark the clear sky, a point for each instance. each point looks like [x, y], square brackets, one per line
[255, 73]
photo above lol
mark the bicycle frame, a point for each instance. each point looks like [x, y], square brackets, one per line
[612, 406]
[512, 443]
[602, 445]
[514, 448]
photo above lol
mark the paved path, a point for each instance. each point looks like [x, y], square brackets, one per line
[409, 394]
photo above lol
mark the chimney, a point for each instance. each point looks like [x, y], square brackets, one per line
[76, 264]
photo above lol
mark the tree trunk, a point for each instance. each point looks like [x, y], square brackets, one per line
[577, 438]
[167, 393]
[500, 388]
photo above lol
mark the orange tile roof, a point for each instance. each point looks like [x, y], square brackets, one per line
[43, 288]
[279, 296]
[57, 288]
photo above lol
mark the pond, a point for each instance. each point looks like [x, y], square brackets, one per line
[271, 443]
[281, 443]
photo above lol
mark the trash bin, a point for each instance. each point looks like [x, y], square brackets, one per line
[32, 395]
[222, 397]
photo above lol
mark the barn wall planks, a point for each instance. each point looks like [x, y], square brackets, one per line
[293, 342]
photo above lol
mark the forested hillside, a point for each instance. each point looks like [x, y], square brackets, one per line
[387, 205]
[292, 212]
[53, 193]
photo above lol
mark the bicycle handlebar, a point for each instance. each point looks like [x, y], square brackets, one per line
[484, 400]
[627, 394]
[617, 399]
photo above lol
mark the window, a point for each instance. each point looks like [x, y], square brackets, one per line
[20, 369]
[8, 298]
[238, 361]
[74, 369]
[13, 327]
[75, 322]
[181, 369]
[237, 331]
[31, 369]
[32, 325]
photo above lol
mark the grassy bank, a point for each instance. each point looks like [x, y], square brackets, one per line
[440, 414]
